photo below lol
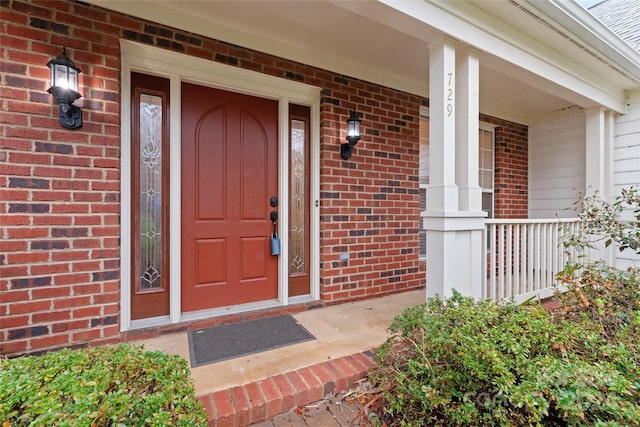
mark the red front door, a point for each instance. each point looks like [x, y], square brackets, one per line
[229, 173]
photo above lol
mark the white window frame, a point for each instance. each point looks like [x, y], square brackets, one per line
[483, 126]
[488, 127]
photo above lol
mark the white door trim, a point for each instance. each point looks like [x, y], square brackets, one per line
[180, 68]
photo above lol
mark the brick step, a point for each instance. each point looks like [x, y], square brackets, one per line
[258, 401]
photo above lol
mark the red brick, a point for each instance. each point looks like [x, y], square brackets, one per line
[12, 296]
[316, 387]
[29, 307]
[338, 376]
[69, 326]
[71, 302]
[209, 407]
[12, 346]
[360, 367]
[257, 402]
[225, 411]
[13, 321]
[51, 316]
[50, 341]
[241, 403]
[50, 292]
[87, 335]
[287, 391]
[326, 379]
[348, 371]
[302, 396]
[273, 397]
[365, 360]
[90, 311]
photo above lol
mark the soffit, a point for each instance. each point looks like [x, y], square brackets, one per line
[376, 42]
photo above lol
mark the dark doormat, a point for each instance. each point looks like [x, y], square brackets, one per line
[225, 342]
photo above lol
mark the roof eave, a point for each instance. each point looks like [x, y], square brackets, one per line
[572, 16]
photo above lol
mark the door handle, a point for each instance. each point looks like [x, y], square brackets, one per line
[273, 216]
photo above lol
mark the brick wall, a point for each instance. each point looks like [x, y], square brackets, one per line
[369, 203]
[511, 181]
[59, 189]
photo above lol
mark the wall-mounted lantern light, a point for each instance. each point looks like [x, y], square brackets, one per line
[64, 88]
[353, 135]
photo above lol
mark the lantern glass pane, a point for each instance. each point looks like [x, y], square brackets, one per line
[60, 78]
[52, 78]
[73, 79]
[353, 128]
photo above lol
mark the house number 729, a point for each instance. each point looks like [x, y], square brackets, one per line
[450, 96]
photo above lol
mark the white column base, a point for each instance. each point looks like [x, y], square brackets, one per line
[454, 253]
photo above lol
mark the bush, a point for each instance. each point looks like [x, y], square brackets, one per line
[612, 222]
[101, 386]
[458, 362]
[603, 295]
[463, 363]
[593, 290]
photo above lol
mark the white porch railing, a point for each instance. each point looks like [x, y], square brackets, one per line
[524, 256]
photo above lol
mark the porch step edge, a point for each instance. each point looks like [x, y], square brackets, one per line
[257, 401]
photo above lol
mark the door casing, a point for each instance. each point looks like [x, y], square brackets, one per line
[178, 68]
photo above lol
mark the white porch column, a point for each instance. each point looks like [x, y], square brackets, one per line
[595, 151]
[467, 125]
[454, 232]
[599, 162]
[609, 136]
[442, 192]
[467, 165]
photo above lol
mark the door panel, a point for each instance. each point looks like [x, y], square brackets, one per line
[211, 269]
[229, 172]
[299, 200]
[150, 196]
[210, 158]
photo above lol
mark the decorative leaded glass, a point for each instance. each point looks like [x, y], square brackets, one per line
[150, 179]
[297, 242]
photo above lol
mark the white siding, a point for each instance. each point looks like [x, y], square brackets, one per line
[556, 166]
[626, 164]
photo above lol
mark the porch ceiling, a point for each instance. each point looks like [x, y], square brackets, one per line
[372, 41]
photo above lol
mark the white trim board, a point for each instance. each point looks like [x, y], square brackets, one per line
[180, 68]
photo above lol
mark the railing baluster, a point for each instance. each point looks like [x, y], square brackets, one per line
[546, 256]
[530, 284]
[538, 257]
[501, 260]
[554, 256]
[508, 262]
[525, 256]
[483, 290]
[492, 266]
[516, 260]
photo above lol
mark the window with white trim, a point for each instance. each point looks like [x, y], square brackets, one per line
[486, 142]
[486, 175]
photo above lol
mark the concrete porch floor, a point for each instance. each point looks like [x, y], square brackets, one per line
[343, 332]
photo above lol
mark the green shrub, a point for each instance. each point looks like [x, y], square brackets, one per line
[457, 362]
[101, 386]
[464, 363]
[612, 222]
[593, 290]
